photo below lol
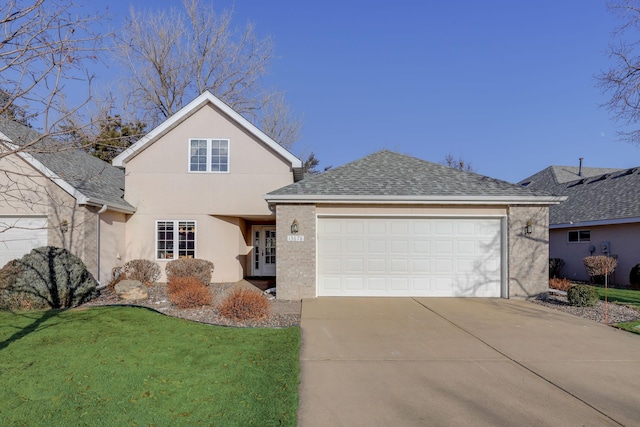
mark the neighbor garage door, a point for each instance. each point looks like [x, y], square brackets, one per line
[18, 235]
[444, 257]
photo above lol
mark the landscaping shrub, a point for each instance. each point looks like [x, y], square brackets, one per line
[634, 277]
[555, 265]
[188, 292]
[244, 304]
[599, 266]
[560, 284]
[47, 277]
[582, 295]
[185, 267]
[142, 270]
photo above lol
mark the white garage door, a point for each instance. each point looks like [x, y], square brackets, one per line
[18, 235]
[441, 257]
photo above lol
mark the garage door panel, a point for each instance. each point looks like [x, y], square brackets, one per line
[19, 235]
[409, 257]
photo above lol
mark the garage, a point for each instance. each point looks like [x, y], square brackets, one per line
[390, 256]
[19, 235]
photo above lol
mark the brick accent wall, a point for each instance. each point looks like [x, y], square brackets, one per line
[296, 266]
[528, 254]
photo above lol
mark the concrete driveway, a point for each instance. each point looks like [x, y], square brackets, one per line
[449, 361]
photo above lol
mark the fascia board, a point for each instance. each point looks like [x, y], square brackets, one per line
[111, 206]
[594, 223]
[80, 198]
[479, 200]
[188, 110]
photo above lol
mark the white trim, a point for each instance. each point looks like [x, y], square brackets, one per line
[189, 109]
[209, 142]
[175, 238]
[595, 223]
[81, 199]
[422, 200]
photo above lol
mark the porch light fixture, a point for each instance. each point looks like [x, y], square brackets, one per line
[64, 226]
[294, 226]
[528, 229]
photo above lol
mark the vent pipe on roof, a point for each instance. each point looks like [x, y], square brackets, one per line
[580, 168]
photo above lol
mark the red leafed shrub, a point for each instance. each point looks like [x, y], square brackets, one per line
[560, 284]
[188, 292]
[243, 304]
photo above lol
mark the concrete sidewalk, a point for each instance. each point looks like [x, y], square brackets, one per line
[447, 361]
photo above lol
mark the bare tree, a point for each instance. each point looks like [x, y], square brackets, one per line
[622, 80]
[44, 49]
[173, 56]
[457, 163]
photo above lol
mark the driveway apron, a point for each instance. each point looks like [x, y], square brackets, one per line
[453, 361]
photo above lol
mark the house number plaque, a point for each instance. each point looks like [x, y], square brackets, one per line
[295, 238]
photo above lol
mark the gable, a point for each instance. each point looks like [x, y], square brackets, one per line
[224, 111]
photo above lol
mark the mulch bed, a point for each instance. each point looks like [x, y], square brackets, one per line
[283, 313]
[615, 313]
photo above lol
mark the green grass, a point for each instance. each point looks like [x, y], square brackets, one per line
[627, 297]
[126, 366]
[622, 296]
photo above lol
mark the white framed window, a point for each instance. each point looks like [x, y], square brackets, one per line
[208, 155]
[175, 239]
[579, 236]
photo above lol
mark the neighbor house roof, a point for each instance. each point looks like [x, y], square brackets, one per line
[90, 180]
[186, 112]
[601, 196]
[391, 177]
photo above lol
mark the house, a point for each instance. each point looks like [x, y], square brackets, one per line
[51, 194]
[206, 183]
[601, 216]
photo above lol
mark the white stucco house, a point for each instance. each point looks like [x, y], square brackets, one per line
[207, 183]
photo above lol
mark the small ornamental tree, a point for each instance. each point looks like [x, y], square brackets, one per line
[600, 266]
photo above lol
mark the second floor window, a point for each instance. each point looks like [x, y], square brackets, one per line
[208, 155]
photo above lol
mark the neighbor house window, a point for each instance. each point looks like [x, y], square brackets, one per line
[175, 239]
[576, 236]
[208, 155]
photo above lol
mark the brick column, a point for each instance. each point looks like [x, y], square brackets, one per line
[528, 254]
[296, 262]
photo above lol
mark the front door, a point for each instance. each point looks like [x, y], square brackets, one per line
[264, 250]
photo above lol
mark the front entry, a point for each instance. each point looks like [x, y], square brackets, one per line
[264, 250]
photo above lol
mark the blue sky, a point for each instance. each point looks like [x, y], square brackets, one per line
[509, 86]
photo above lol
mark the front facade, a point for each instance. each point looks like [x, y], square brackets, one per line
[601, 216]
[208, 184]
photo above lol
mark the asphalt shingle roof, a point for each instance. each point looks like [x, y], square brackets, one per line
[387, 173]
[91, 176]
[608, 195]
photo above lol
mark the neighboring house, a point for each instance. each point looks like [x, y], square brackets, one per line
[601, 216]
[51, 194]
[208, 184]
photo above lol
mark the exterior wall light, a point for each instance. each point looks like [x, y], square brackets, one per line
[528, 229]
[294, 226]
[64, 226]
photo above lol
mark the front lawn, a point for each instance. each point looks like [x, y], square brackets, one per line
[126, 366]
[627, 297]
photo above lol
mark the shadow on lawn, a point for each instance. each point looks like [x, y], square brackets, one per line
[26, 330]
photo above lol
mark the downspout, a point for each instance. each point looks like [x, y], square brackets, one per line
[103, 209]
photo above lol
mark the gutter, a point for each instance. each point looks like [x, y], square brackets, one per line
[596, 222]
[431, 200]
